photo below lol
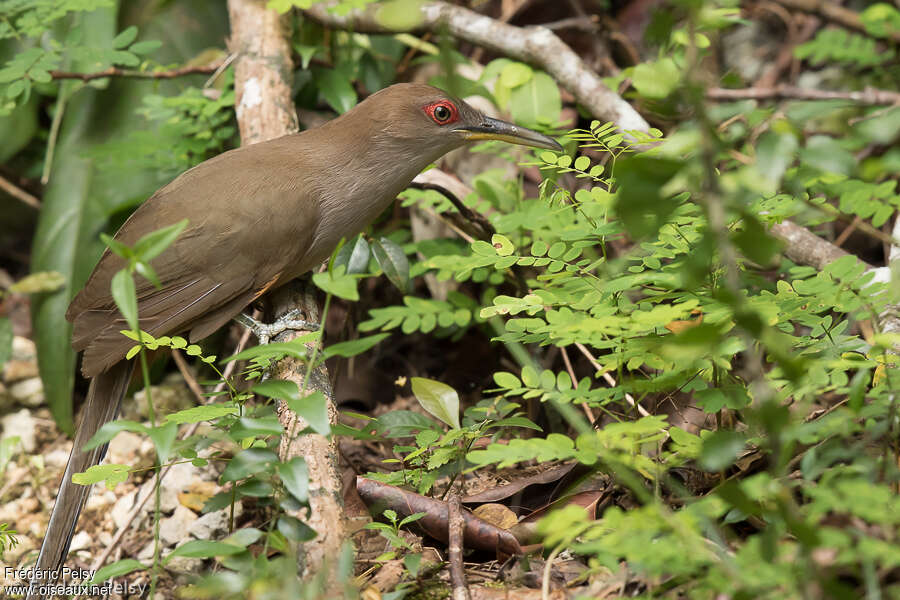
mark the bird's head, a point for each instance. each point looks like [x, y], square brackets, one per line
[428, 119]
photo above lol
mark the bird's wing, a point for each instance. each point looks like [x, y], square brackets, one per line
[238, 243]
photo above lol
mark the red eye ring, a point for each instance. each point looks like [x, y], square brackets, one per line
[443, 112]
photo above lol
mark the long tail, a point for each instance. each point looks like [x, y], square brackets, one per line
[104, 397]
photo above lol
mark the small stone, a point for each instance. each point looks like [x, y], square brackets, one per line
[184, 564]
[23, 425]
[146, 552]
[174, 529]
[58, 458]
[167, 398]
[81, 541]
[127, 449]
[17, 370]
[28, 392]
[177, 480]
[214, 525]
[99, 498]
[23, 349]
[122, 509]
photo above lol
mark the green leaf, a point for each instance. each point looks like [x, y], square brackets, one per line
[775, 152]
[502, 245]
[110, 430]
[539, 248]
[538, 99]
[400, 15]
[437, 398]
[279, 389]
[117, 569]
[517, 422]
[244, 537]
[203, 549]
[295, 348]
[256, 427]
[336, 282]
[146, 47]
[720, 450]
[6, 340]
[755, 242]
[248, 462]
[393, 262]
[656, 79]
[125, 38]
[354, 347]
[295, 529]
[295, 477]
[163, 437]
[507, 380]
[640, 201]
[125, 297]
[515, 74]
[354, 256]
[336, 88]
[152, 244]
[314, 410]
[412, 562]
[306, 53]
[112, 474]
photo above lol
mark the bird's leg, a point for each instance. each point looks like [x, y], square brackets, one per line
[266, 331]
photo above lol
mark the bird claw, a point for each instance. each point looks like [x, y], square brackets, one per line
[266, 331]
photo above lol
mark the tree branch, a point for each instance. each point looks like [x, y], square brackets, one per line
[18, 193]
[116, 72]
[867, 97]
[538, 46]
[261, 40]
[834, 12]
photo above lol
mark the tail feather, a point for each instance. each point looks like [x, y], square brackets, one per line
[104, 397]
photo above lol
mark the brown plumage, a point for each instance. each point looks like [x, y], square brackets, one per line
[258, 217]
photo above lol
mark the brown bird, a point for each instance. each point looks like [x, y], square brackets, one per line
[258, 216]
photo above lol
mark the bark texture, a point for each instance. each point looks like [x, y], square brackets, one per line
[261, 40]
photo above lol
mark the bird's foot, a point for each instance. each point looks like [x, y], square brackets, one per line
[266, 331]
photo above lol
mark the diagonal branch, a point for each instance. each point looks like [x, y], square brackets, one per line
[834, 12]
[265, 110]
[116, 72]
[867, 97]
[538, 46]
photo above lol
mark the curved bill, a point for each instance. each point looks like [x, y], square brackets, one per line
[495, 129]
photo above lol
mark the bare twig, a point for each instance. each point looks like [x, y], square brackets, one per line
[536, 45]
[610, 380]
[585, 23]
[834, 12]
[806, 248]
[587, 409]
[18, 193]
[454, 190]
[116, 72]
[847, 232]
[455, 526]
[866, 97]
[189, 378]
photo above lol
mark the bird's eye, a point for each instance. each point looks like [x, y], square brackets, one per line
[442, 112]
